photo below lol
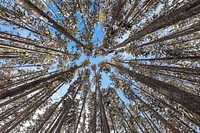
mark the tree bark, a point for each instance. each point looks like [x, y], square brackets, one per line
[45, 119]
[82, 107]
[128, 111]
[20, 89]
[186, 99]
[28, 112]
[186, 11]
[25, 94]
[159, 117]
[189, 71]
[102, 109]
[58, 125]
[95, 112]
[21, 48]
[170, 58]
[150, 121]
[30, 44]
[121, 114]
[17, 24]
[187, 31]
[29, 6]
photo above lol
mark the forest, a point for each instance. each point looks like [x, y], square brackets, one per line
[99, 66]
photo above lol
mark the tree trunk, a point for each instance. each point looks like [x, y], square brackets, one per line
[31, 44]
[128, 111]
[20, 89]
[188, 31]
[58, 125]
[21, 81]
[121, 115]
[27, 112]
[54, 120]
[25, 94]
[82, 107]
[94, 124]
[170, 58]
[189, 71]
[170, 107]
[8, 57]
[113, 124]
[29, 6]
[186, 99]
[104, 117]
[186, 11]
[22, 48]
[51, 111]
[159, 117]
[147, 117]
[17, 24]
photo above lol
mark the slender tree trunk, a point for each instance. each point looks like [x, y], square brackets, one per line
[20, 89]
[104, 117]
[21, 66]
[186, 11]
[121, 114]
[147, 117]
[17, 24]
[152, 128]
[31, 44]
[144, 126]
[128, 111]
[61, 118]
[50, 114]
[15, 14]
[8, 57]
[111, 118]
[10, 111]
[188, 31]
[28, 112]
[190, 71]
[130, 12]
[21, 81]
[170, 107]
[165, 122]
[186, 125]
[22, 48]
[186, 99]
[95, 112]
[29, 6]
[119, 6]
[50, 126]
[27, 73]
[124, 22]
[170, 58]
[25, 94]
[178, 77]
[101, 119]
[82, 107]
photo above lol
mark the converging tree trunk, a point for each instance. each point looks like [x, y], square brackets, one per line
[29, 6]
[186, 99]
[186, 11]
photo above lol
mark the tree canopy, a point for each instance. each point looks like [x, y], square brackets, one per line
[99, 66]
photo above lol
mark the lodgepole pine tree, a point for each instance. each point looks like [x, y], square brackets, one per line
[99, 66]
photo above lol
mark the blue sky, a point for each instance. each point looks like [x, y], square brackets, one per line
[98, 35]
[105, 77]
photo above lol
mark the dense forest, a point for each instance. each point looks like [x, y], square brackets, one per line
[99, 66]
